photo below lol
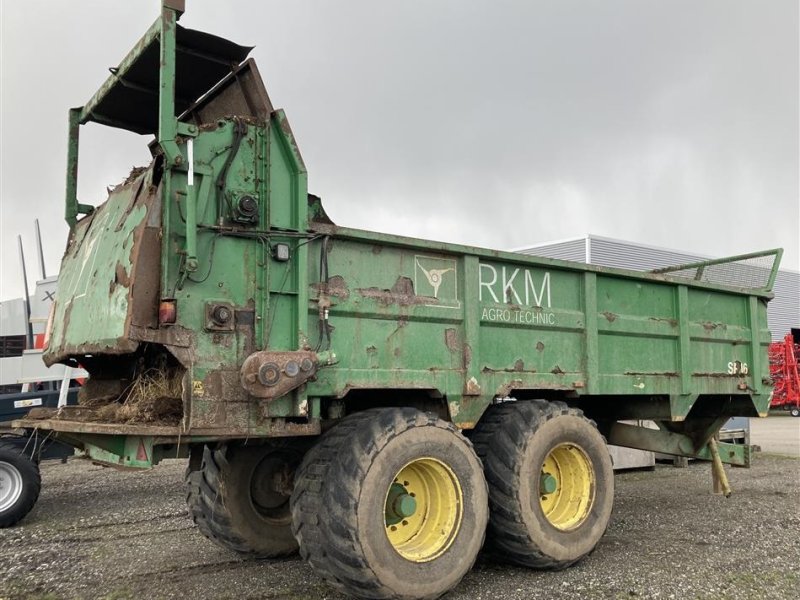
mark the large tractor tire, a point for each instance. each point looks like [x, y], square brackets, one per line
[551, 483]
[391, 503]
[238, 496]
[20, 484]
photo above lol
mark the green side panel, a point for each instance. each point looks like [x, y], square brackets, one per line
[288, 188]
[234, 260]
[638, 337]
[531, 322]
[636, 299]
[229, 268]
[281, 184]
[473, 328]
[286, 327]
[91, 309]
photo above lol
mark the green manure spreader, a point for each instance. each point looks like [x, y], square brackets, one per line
[386, 405]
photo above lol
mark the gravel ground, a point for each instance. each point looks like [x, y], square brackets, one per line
[101, 533]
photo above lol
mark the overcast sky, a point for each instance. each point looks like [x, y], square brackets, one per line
[492, 123]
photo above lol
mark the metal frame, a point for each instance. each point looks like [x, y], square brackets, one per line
[702, 264]
[163, 29]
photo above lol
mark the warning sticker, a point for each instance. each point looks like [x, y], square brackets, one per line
[27, 403]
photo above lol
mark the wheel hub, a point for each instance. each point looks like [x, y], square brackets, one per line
[423, 510]
[547, 484]
[270, 487]
[399, 504]
[10, 485]
[566, 486]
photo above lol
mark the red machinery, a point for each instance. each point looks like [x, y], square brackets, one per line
[783, 359]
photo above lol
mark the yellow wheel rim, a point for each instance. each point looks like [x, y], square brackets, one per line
[423, 510]
[566, 486]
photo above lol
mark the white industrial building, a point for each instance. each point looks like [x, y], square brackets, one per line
[21, 365]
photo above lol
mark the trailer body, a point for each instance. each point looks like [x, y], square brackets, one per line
[221, 225]
[221, 315]
[457, 326]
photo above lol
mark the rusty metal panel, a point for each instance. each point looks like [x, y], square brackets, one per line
[91, 311]
[242, 93]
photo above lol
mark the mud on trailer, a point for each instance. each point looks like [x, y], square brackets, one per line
[379, 402]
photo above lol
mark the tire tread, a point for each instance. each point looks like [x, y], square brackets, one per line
[31, 481]
[328, 544]
[500, 441]
[205, 499]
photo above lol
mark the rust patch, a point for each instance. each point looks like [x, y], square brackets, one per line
[557, 370]
[82, 227]
[539, 346]
[610, 317]
[665, 374]
[719, 375]
[280, 427]
[218, 401]
[121, 276]
[376, 249]
[134, 198]
[145, 272]
[67, 317]
[519, 367]
[174, 335]
[472, 388]
[505, 389]
[220, 339]
[335, 286]
[709, 326]
[316, 212]
[467, 356]
[451, 339]
[403, 286]
[212, 386]
[402, 294]
[673, 322]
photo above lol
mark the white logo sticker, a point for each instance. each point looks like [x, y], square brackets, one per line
[27, 403]
[438, 278]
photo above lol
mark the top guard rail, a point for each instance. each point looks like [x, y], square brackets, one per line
[755, 271]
